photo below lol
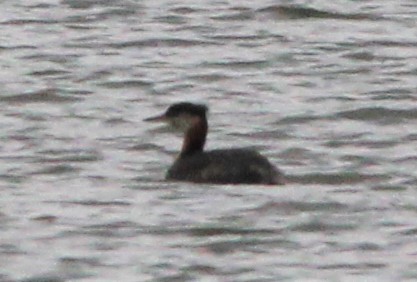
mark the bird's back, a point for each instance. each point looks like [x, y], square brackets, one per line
[231, 166]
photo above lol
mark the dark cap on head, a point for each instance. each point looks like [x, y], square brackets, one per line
[179, 109]
[186, 108]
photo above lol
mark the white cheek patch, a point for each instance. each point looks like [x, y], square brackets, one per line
[181, 123]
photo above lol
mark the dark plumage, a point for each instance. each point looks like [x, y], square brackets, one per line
[185, 107]
[231, 166]
[225, 166]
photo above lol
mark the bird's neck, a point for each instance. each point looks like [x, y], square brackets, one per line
[195, 137]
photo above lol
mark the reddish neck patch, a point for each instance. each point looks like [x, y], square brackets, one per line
[195, 137]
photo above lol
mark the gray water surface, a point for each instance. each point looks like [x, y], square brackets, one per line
[327, 90]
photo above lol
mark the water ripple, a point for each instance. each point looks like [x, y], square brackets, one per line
[49, 95]
[300, 12]
[175, 42]
[337, 178]
[325, 90]
[380, 114]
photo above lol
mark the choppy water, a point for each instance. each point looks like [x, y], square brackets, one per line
[326, 89]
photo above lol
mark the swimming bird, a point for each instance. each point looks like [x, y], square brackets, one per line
[224, 166]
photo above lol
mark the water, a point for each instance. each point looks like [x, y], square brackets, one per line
[326, 90]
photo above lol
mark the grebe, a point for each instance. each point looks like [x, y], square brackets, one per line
[229, 166]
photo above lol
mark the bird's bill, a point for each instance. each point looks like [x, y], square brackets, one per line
[156, 118]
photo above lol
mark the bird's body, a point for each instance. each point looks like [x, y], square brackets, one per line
[227, 166]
